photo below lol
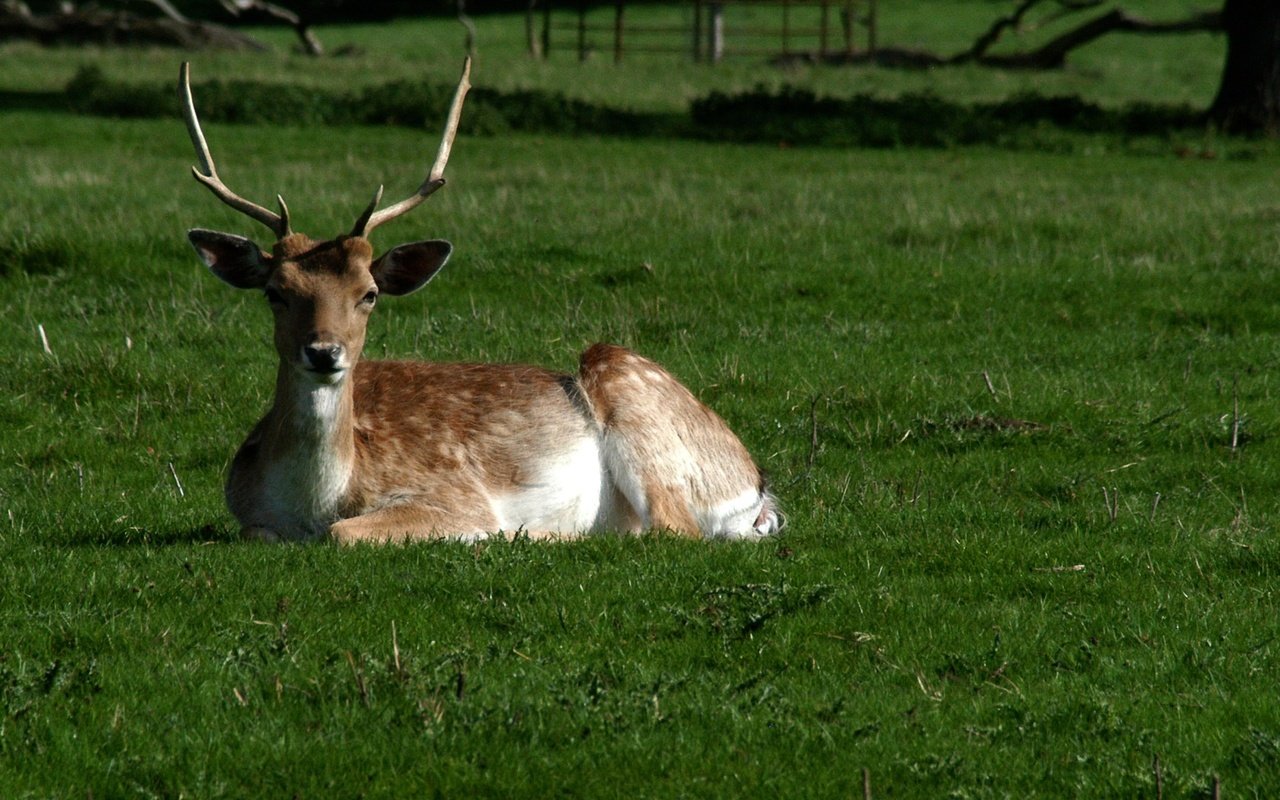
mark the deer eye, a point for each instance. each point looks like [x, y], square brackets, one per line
[274, 297]
[370, 297]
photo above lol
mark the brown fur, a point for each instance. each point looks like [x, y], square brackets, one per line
[387, 451]
[669, 432]
[391, 450]
[437, 437]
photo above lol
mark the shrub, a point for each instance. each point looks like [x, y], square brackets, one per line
[794, 116]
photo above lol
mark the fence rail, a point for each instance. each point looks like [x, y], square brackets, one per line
[710, 35]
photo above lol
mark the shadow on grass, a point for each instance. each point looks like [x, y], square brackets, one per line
[208, 534]
[926, 120]
[33, 101]
[36, 257]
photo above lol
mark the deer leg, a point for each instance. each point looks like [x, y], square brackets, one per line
[669, 508]
[404, 523]
[408, 523]
[676, 462]
[253, 533]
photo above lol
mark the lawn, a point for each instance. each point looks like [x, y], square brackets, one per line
[1020, 407]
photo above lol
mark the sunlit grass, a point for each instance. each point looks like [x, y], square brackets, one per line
[1020, 408]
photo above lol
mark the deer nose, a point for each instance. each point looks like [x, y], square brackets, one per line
[322, 357]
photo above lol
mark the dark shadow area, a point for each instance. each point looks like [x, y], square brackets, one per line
[135, 537]
[33, 101]
[46, 256]
[923, 120]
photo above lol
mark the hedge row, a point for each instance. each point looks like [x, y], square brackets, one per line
[788, 116]
[404, 103]
[922, 120]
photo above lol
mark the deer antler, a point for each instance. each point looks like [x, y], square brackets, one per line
[207, 174]
[371, 218]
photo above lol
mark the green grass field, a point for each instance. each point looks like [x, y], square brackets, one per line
[1020, 407]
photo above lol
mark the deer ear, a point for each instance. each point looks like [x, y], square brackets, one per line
[234, 259]
[408, 267]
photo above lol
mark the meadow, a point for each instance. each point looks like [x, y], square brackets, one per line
[1020, 408]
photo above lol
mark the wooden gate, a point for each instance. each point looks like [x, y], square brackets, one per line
[716, 29]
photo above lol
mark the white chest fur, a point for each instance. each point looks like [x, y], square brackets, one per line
[304, 485]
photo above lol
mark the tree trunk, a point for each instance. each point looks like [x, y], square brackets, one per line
[1249, 96]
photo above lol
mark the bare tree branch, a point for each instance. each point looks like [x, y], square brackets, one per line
[166, 8]
[90, 24]
[1051, 55]
[310, 42]
[1014, 20]
[983, 43]
[1054, 53]
[1065, 9]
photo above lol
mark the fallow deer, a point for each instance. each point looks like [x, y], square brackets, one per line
[381, 451]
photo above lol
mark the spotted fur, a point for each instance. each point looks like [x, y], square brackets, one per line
[379, 451]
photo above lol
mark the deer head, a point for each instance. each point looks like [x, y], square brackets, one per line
[320, 292]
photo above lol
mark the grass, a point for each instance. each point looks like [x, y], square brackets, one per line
[968, 371]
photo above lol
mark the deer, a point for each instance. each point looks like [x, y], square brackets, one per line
[355, 450]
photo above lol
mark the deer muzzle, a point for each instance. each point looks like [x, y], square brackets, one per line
[324, 358]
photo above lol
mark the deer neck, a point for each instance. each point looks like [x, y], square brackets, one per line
[312, 433]
[310, 415]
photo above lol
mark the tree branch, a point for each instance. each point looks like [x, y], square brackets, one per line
[310, 42]
[89, 24]
[1054, 53]
[1051, 55]
[983, 43]
[167, 9]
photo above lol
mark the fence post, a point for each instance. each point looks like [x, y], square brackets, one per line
[871, 26]
[822, 31]
[697, 31]
[531, 30]
[617, 31]
[546, 28]
[715, 43]
[786, 27]
[847, 16]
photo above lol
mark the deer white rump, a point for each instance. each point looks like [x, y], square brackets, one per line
[388, 451]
